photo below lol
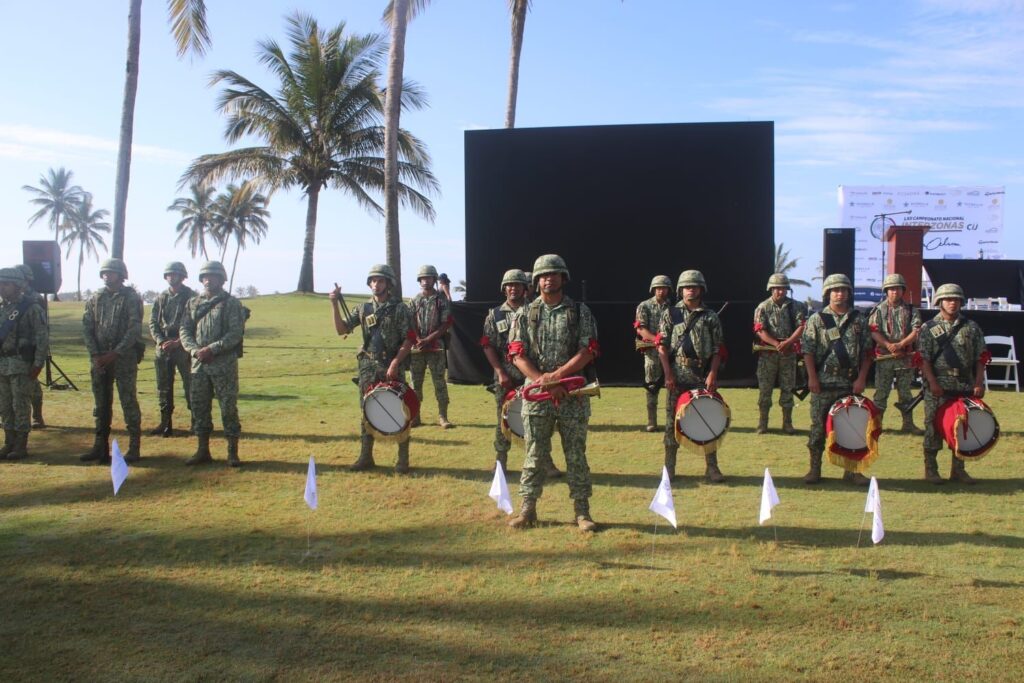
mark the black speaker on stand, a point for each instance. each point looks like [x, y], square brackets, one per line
[838, 251]
[43, 257]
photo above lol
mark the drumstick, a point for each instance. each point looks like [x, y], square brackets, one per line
[386, 412]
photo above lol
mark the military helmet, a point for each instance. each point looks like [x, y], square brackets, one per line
[114, 265]
[426, 271]
[893, 280]
[176, 267]
[948, 291]
[382, 270]
[835, 281]
[26, 270]
[213, 268]
[660, 281]
[778, 280]
[549, 263]
[514, 277]
[691, 278]
[12, 275]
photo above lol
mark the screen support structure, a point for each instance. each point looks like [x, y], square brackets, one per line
[51, 364]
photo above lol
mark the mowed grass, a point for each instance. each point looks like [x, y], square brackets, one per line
[218, 574]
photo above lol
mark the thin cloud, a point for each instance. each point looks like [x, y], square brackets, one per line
[18, 141]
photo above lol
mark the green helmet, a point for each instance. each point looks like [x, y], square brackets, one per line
[778, 280]
[213, 268]
[382, 270]
[660, 281]
[176, 267]
[893, 280]
[691, 278]
[948, 291]
[114, 265]
[514, 277]
[549, 263]
[835, 281]
[426, 271]
[12, 275]
[26, 270]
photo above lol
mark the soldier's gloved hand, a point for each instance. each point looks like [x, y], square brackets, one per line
[205, 355]
[34, 371]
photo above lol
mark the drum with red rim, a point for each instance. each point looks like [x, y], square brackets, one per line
[512, 415]
[389, 409]
[702, 419]
[852, 430]
[968, 425]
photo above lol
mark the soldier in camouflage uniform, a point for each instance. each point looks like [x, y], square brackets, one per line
[551, 339]
[895, 326]
[837, 354]
[164, 325]
[648, 319]
[779, 322]
[388, 336]
[432, 317]
[953, 359]
[24, 341]
[37, 388]
[690, 347]
[112, 326]
[212, 330]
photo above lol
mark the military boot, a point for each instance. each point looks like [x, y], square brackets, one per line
[856, 478]
[581, 508]
[931, 468]
[670, 462]
[652, 412]
[957, 472]
[762, 421]
[813, 475]
[164, 428]
[552, 470]
[100, 450]
[909, 427]
[527, 516]
[502, 459]
[365, 461]
[202, 455]
[233, 460]
[711, 471]
[402, 463]
[787, 421]
[9, 435]
[134, 453]
[442, 420]
[20, 449]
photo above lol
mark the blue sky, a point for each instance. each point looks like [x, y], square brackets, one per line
[923, 92]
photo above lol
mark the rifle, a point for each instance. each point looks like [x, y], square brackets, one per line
[907, 407]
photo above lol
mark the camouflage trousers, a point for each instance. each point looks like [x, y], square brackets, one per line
[776, 369]
[123, 372]
[437, 362]
[820, 405]
[538, 431]
[224, 385]
[370, 373]
[885, 372]
[166, 365]
[37, 396]
[653, 373]
[16, 402]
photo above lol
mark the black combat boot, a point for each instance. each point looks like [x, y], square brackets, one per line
[762, 421]
[37, 411]
[957, 472]
[233, 460]
[202, 455]
[20, 449]
[164, 428]
[813, 475]
[652, 411]
[856, 478]
[9, 435]
[134, 453]
[909, 427]
[100, 450]
[711, 471]
[931, 468]
[787, 421]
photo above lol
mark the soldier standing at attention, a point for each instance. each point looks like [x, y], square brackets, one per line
[551, 339]
[388, 336]
[211, 333]
[24, 342]
[836, 345]
[690, 347]
[37, 388]
[648, 319]
[112, 326]
[778, 321]
[164, 326]
[895, 326]
[953, 359]
[432, 317]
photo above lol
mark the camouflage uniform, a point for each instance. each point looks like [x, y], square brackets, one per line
[36, 385]
[430, 312]
[894, 324]
[496, 336]
[648, 317]
[24, 347]
[165, 320]
[779, 321]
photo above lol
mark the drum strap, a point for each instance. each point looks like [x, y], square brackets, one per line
[945, 348]
[837, 346]
[685, 343]
[373, 337]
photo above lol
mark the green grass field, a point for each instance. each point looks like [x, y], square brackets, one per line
[218, 574]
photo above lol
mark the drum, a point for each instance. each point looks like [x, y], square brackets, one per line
[512, 415]
[853, 426]
[968, 425]
[388, 410]
[702, 419]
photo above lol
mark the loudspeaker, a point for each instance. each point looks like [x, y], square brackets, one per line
[838, 251]
[43, 256]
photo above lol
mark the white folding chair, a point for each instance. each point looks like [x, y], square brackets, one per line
[1008, 363]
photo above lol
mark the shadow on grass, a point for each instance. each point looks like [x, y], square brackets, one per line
[638, 429]
[847, 537]
[267, 397]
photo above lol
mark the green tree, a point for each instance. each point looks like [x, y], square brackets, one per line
[56, 198]
[241, 215]
[197, 218]
[784, 264]
[518, 10]
[84, 229]
[322, 129]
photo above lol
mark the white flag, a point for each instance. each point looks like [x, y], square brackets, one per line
[662, 503]
[874, 506]
[310, 494]
[769, 497]
[118, 467]
[499, 490]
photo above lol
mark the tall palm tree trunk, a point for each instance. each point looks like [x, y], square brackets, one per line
[81, 260]
[392, 111]
[306, 270]
[518, 27]
[234, 265]
[124, 152]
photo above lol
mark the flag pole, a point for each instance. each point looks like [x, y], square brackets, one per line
[655, 538]
[860, 532]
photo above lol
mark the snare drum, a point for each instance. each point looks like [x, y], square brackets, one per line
[512, 415]
[702, 419]
[968, 425]
[389, 409]
[853, 426]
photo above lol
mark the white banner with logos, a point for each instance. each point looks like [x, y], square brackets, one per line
[965, 222]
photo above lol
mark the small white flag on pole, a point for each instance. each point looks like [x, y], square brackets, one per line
[118, 467]
[769, 497]
[874, 506]
[499, 490]
[662, 503]
[310, 494]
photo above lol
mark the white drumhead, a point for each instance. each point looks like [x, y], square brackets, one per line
[850, 426]
[385, 410]
[703, 420]
[514, 417]
[980, 428]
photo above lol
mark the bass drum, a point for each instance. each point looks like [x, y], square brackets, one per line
[512, 416]
[389, 409]
[852, 430]
[969, 427]
[702, 419]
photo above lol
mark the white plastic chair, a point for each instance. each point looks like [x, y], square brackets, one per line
[1007, 362]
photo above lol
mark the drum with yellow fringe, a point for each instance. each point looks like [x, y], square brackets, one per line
[852, 430]
[701, 420]
[968, 425]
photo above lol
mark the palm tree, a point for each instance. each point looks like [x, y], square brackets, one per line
[241, 213]
[783, 264]
[518, 10]
[56, 197]
[197, 218]
[191, 36]
[83, 229]
[322, 129]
